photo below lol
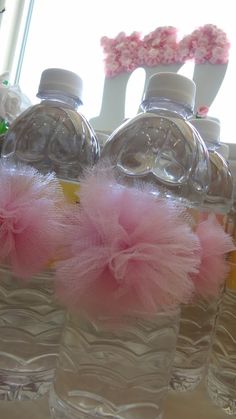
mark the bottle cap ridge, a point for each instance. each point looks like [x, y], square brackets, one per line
[171, 86]
[208, 128]
[59, 80]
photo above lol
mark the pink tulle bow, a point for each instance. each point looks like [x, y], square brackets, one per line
[31, 208]
[127, 251]
[215, 244]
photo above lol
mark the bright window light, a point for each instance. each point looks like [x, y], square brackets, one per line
[67, 35]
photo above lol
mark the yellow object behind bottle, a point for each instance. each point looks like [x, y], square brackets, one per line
[71, 190]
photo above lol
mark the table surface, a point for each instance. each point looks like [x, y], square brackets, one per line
[192, 405]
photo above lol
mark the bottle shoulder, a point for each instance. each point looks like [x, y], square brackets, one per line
[52, 138]
[162, 150]
[220, 192]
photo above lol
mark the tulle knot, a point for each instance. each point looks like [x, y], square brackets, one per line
[10, 222]
[120, 261]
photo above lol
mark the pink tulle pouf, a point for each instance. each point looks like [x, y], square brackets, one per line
[31, 213]
[127, 250]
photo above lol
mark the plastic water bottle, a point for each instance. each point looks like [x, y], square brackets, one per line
[221, 373]
[218, 199]
[53, 136]
[158, 147]
[50, 136]
[197, 319]
[220, 378]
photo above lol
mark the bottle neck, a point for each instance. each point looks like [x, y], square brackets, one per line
[167, 108]
[58, 97]
[211, 145]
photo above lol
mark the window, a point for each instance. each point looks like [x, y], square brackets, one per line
[67, 35]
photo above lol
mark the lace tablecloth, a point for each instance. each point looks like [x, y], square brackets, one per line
[195, 405]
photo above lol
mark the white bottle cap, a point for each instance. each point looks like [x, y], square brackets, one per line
[223, 150]
[208, 128]
[59, 80]
[171, 86]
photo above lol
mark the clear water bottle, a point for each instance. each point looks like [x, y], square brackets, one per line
[53, 136]
[197, 319]
[220, 378]
[158, 147]
[219, 198]
[221, 372]
[50, 136]
[116, 370]
[31, 324]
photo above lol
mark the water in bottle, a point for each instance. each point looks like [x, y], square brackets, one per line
[220, 378]
[51, 136]
[160, 148]
[197, 319]
[221, 372]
